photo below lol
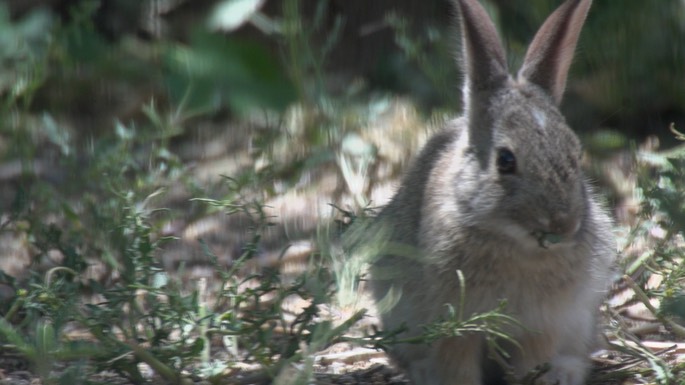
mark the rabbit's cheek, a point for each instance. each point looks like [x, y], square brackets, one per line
[515, 231]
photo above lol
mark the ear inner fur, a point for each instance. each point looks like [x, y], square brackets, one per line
[550, 54]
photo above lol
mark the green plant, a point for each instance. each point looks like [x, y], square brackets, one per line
[111, 227]
[661, 182]
[432, 53]
[306, 59]
[652, 260]
[255, 316]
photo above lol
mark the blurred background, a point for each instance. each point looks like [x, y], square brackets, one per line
[628, 74]
[298, 104]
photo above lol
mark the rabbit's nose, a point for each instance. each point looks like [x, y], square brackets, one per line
[559, 228]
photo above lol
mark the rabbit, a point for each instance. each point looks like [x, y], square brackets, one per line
[499, 195]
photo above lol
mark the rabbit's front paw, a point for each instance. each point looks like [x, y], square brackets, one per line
[565, 370]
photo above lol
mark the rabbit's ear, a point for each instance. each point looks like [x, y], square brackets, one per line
[484, 60]
[550, 54]
[486, 71]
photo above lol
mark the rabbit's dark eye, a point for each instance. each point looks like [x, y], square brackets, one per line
[506, 161]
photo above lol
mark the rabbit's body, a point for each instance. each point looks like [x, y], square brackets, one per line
[499, 195]
[553, 292]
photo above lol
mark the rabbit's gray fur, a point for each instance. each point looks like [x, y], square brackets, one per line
[536, 237]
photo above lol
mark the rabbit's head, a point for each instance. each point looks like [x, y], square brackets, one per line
[521, 172]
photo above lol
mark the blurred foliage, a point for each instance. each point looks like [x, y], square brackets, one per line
[652, 262]
[23, 48]
[214, 71]
[210, 72]
[661, 191]
[89, 123]
[626, 76]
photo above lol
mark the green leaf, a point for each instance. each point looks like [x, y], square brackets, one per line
[216, 70]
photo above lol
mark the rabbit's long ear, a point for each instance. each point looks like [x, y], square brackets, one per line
[484, 60]
[550, 54]
[486, 71]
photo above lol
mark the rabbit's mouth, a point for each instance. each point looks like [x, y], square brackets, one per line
[545, 239]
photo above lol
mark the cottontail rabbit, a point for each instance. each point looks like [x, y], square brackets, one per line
[500, 196]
